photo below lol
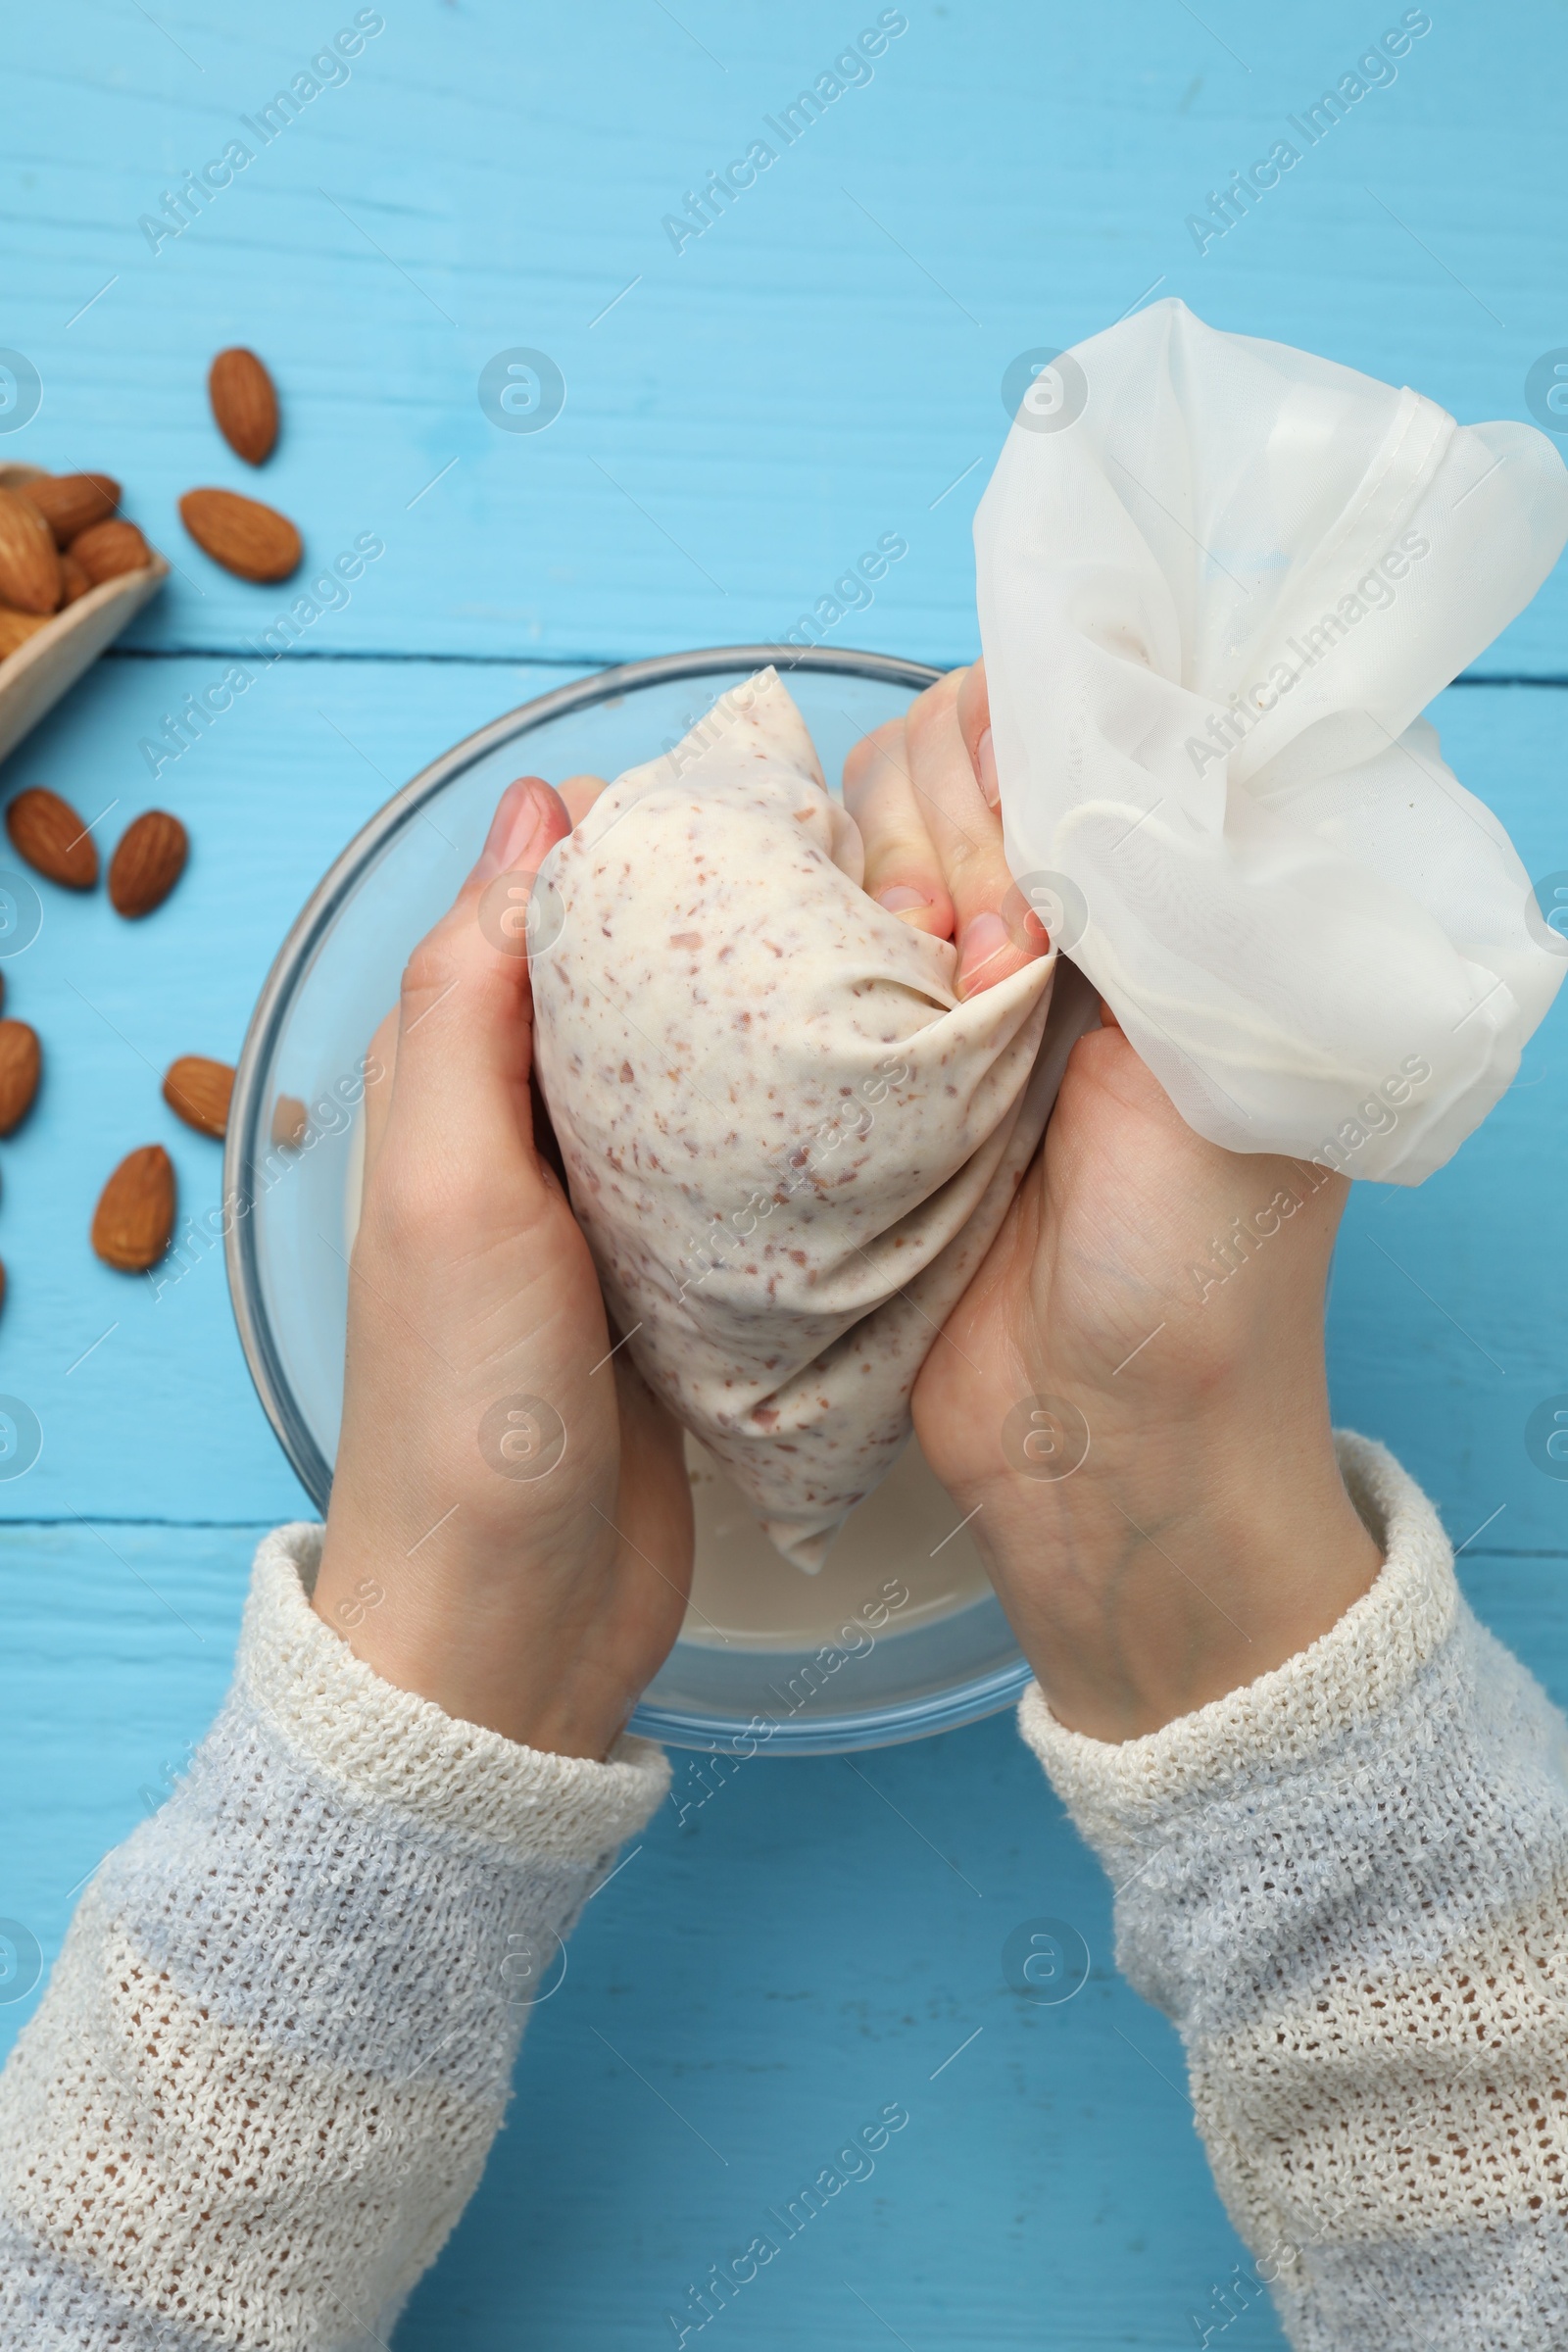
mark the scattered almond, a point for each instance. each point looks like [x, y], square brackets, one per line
[17, 627]
[290, 1122]
[240, 533]
[196, 1089]
[148, 862]
[135, 1213]
[73, 581]
[244, 402]
[105, 549]
[29, 561]
[21, 1061]
[47, 831]
[70, 502]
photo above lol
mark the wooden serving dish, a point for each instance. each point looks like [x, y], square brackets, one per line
[34, 677]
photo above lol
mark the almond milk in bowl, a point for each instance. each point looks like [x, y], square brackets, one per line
[899, 1635]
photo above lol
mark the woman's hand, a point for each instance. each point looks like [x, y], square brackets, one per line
[933, 842]
[510, 1532]
[1142, 1435]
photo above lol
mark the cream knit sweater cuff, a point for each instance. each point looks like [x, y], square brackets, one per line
[279, 2038]
[1352, 1675]
[383, 1746]
[1347, 1885]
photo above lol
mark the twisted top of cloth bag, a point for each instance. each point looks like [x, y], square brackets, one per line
[1218, 581]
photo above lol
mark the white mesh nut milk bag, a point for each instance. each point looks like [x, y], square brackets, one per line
[788, 1142]
[1218, 581]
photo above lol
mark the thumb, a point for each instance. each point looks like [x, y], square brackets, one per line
[465, 1014]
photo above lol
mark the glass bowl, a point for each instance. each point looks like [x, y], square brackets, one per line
[747, 1677]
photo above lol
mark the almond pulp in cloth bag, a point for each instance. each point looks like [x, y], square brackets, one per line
[1218, 581]
[788, 1142]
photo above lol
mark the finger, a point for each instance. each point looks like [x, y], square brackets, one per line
[997, 936]
[974, 726]
[465, 1015]
[579, 793]
[901, 870]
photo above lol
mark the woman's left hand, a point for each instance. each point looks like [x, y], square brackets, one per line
[1147, 1460]
[510, 1532]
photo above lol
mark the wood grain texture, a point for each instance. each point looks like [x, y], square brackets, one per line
[814, 370]
[811, 1941]
[822, 366]
[160, 1418]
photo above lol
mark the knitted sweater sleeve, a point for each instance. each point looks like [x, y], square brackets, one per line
[277, 2042]
[1347, 1885]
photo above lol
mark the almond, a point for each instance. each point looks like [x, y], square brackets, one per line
[242, 534]
[73, 581]
[29, 561]
[244, 402]
[20, 1060]
[105, 549]
[47, 831]
[290, 1122]
[196, 1089]
[70, 502]
[17, 627]
[148, 862]
[135, 1213]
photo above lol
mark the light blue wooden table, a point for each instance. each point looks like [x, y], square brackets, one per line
[742, 416]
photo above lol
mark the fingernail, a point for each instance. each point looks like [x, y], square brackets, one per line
[521, 818]
[987, 754]
[900, 898]
[984, 943]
